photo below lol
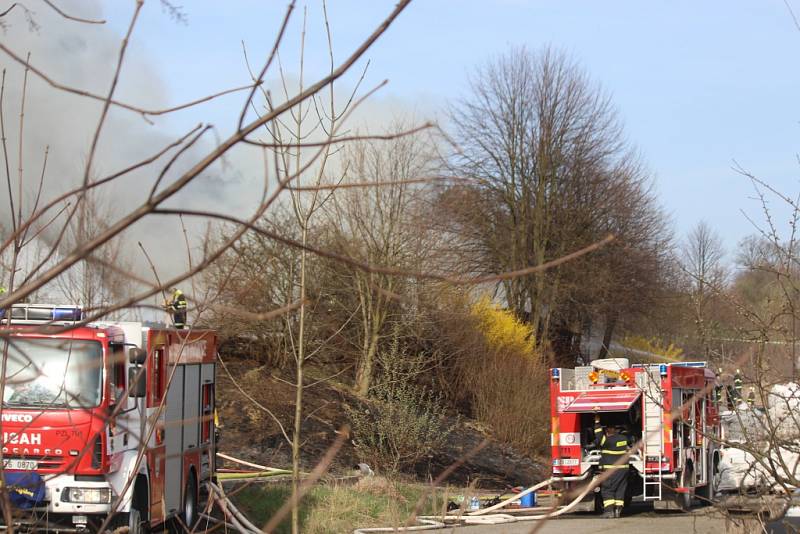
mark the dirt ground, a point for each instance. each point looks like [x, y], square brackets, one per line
[248, 432]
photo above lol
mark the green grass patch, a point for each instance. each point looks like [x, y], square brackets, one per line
[336, 508]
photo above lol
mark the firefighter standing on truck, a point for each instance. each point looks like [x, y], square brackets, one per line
[613, 445]
[177, 308]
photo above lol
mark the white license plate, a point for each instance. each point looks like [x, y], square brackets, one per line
[567, 462]
[20, 465]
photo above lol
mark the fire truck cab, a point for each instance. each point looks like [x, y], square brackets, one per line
[670, 411]
[104, 421]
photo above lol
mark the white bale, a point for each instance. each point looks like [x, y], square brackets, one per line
[783, 403]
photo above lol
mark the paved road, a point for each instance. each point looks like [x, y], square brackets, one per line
[642, 520]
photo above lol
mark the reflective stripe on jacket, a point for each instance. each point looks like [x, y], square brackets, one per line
[178, 301]
[611, 448]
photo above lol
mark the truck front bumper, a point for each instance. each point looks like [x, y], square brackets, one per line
[57, 487]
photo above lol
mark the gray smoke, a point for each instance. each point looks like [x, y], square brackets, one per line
[84, 57]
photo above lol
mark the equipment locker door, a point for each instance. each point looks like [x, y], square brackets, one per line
[191, 410]
[173, 438]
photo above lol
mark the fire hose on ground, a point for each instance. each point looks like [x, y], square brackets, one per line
[484, 517]
[232, 514]
[263, 471]
[477, 517]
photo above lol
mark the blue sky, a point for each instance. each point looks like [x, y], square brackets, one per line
[697, 84]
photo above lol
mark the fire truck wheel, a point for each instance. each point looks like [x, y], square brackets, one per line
[598, 503]
[685, 498]
[189, 514]
[135, 523]
[708, 492]
[136, 519]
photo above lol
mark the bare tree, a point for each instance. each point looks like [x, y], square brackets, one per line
[377, 225]
[544, 149]
[98, 280]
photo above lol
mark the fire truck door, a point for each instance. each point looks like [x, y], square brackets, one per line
[173, 439]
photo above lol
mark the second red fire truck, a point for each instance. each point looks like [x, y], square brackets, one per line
[670, 409]
[105, 421]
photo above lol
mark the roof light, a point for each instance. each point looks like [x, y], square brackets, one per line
[556, 372]
[67, 313]
[663, 369]
[45, 313]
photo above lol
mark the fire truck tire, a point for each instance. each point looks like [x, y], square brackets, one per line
[136, 519]
[598, 503]
[685, 498]
[135, 523]
[190, 499]
[707, 492]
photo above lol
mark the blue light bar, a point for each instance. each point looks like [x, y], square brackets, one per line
[690, 364]
[72, 313]
[45, 313]
[556, 373]
[663, 369]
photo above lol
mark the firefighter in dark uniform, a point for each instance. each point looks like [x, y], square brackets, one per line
[613, 445]
[177, 307]
[751, 397]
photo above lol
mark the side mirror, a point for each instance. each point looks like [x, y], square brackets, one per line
[136, 355]
[137, 385]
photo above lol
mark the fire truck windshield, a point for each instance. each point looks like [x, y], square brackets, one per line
[53, 372]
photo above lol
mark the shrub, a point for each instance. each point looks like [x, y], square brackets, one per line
[502, 329]
[511, 395]
[403, 422]
[509, 381]
[494, 374]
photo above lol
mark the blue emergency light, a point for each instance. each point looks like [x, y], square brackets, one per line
[556, 373]
[663, 369]
[45, 313]
[690, 364]
[72, 313]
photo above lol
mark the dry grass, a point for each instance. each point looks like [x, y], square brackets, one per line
[332, 509]
[496, 378]
[511, 394]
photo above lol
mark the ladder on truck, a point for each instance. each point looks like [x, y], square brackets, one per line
[653, 438]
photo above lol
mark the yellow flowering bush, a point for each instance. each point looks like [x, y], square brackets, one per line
[502, 329]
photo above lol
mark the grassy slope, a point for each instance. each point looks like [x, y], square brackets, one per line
[340, 508]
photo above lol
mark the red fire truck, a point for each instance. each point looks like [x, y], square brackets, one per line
[670, 408]
[105, 419]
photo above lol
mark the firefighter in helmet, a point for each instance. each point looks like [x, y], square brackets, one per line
[613, 445]
[177, 308]
[751, 397]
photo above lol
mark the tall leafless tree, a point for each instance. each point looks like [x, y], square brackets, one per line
[544, 150]
[378, 225]
[702, 258]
